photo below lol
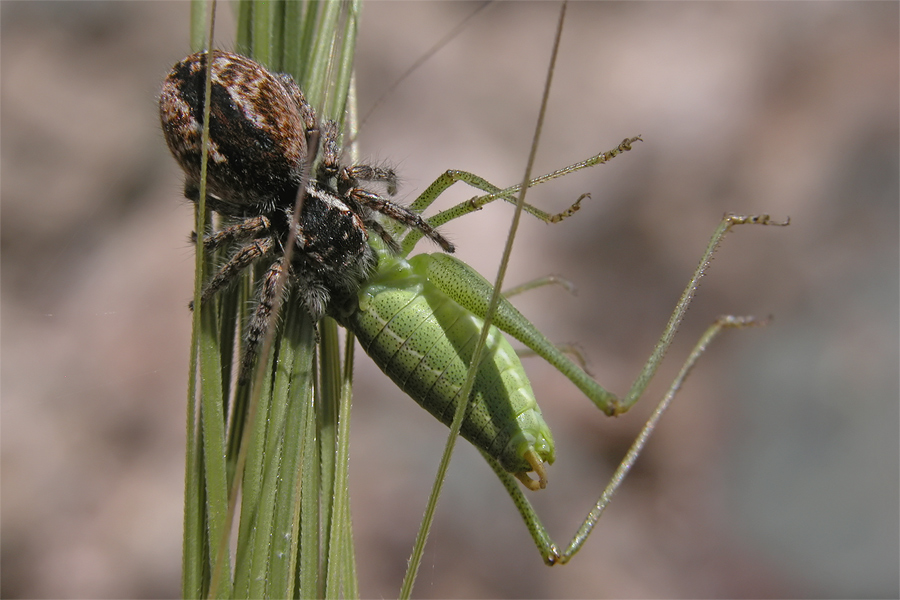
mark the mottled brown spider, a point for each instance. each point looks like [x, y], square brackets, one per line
[263, 138]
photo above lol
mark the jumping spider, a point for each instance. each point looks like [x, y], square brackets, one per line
[263, 139]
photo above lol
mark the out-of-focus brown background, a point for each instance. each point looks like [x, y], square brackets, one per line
[776, 471]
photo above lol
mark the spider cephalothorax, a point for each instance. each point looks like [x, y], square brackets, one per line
[263, 140]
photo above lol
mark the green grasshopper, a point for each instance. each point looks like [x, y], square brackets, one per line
[418, 319]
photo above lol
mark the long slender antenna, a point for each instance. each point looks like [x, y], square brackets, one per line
[422, 59]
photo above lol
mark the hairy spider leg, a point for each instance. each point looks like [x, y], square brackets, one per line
[386, 237]
[237, 263]
[246, 229]
[402, 215]
[373, 174]
[261, 317]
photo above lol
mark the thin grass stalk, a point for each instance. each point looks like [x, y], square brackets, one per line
[341, 547]
[342, 550]
[422, 536]
[206, 506]
[194, 539]
[329, 395]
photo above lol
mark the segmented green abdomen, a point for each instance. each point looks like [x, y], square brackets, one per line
[423, 340]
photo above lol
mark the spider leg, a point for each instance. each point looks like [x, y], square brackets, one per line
[389, 241]
[259, 321]
[313, 295]
[237, 263]
[246, 229]
[374, 174]
[328, 168]
[401, 214]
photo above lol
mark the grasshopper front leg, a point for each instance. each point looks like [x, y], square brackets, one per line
[448, 178]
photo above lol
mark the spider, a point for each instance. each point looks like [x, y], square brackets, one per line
[263, 138]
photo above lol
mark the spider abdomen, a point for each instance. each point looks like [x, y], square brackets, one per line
[257, 131]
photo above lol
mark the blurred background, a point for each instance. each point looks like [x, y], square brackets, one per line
[775, 474]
